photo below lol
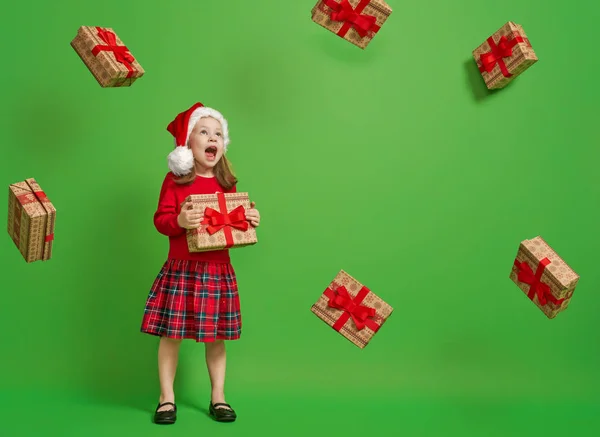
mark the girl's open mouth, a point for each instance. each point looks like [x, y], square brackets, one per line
[210, 152]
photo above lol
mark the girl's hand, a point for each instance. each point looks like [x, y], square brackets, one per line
[252, 215]
[188, 218]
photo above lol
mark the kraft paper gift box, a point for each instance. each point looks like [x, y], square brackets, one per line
[31, 219]
[543, 276]
[224, 224]
[351, 309]
[504, 56]
[357, 21]
[107, 58]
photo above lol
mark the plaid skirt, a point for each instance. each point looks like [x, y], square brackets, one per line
[194, 299]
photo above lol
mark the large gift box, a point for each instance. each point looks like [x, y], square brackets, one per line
[31, 220]
[107, 58]
[543, 276]
[504, 55]
[357, 21]
[224, 224]
[352, 309]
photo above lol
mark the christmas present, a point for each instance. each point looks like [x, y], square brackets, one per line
[543, 276]
[31, 220]
[352, 309]
[224, 224]
[357, 21]
[504, 55]
[105, 55]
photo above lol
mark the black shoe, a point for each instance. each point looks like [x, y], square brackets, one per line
[165, 417]
[222, 414]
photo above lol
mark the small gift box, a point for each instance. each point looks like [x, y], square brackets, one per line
[352, 309]
[224, 225]
[543, 276]
[357, 21]
[31, 220]
[504, 55]
[107, 58]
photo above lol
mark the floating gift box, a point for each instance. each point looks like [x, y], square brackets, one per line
[543, 276]
[224, 225]
[107, 58]
[352, 309]
[504, 56]
[31, 219]
[357, 21]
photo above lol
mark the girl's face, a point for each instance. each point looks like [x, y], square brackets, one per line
[206, 143]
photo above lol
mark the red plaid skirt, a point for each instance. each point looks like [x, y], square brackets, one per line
[196, 300]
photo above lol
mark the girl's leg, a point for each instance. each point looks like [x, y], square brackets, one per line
[216, 361]
[168, 356]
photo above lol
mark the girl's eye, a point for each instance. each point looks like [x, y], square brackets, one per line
[219, 134]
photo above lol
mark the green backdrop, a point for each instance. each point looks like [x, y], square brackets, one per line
[393, 163]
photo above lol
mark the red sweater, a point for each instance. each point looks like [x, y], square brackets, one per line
[169, 206]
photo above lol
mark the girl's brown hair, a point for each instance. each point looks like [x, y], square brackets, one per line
[223, 172]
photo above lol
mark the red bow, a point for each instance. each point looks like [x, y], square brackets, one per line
[216, 220]
[121, 53]
[499, 51]
[341, 300]
[537, 287]
[343, 11]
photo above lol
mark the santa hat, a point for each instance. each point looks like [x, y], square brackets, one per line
[181, 160]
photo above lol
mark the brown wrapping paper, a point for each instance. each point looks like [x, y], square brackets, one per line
[360, 337]
[523, 56]
[200, 240]
[561, 279]
[104, 66]
[31, 219]
[377, 8]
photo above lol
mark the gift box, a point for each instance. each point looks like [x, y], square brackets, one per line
[543, 276]
[107, 58]
[352, 309]
[504, 55]
[224, 224]
[357, 21]
[31, 220]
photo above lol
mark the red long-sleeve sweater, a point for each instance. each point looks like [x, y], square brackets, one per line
[169, 206]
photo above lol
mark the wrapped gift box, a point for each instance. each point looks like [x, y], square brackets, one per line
[105, 55]
[352, 309]
[504, 56]
[224, 225]
[31, 220]
[357, 21]
[543, 276]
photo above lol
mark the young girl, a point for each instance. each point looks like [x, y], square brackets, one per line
[195, 295]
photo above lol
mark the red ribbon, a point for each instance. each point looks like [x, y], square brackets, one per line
[343, 11]
[24, 199]
[217, 220]
[121, 53]
[537, 287]
[499, 51]
[341, 300]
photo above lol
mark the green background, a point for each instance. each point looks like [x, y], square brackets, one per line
[393, 163]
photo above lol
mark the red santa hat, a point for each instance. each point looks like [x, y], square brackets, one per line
[181, 160]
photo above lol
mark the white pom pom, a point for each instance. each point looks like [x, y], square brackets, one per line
[181, 160]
